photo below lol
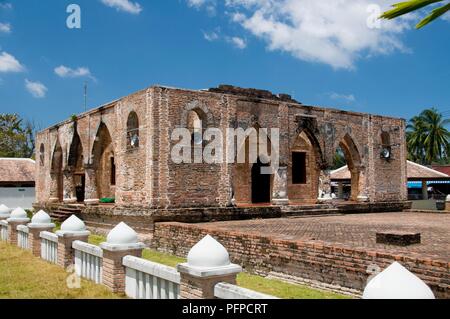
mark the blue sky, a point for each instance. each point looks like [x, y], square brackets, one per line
[321, 52]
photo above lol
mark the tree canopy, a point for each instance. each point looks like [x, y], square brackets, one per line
[16, 136]
[428, 138]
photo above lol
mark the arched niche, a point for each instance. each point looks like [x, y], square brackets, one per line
[303, 169]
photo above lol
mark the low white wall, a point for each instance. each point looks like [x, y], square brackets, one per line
[148, 280]
[17, 197]
[228, 291]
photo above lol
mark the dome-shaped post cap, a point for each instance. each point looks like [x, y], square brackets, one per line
[18, 215]
[208, 258]
[73, 226]
[122, 237]
[397, 282]
[5, 211]
[41, 220]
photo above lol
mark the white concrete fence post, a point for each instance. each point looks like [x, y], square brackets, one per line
[18, 217]
[208, 264]
[71, 230]
[397, 282]
[40, 222]
[121, 241]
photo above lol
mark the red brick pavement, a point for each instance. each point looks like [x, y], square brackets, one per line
[357, 231]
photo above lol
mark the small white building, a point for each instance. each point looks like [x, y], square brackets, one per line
[17, 182]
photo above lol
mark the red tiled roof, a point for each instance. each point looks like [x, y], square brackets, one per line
[442, 168]
[17, 170]
[414, 171]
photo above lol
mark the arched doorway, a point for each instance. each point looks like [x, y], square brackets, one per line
[76, 165]
[251, 185]
[353, 160]
[104, 163]
[261, 184]
[56, 189]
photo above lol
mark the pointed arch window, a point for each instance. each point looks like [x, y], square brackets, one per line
[195, 126]
[133, 131]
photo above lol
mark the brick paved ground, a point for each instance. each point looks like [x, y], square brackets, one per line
[356, 230]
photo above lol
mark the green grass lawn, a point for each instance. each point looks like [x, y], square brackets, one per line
[272, 287]
[23, 276]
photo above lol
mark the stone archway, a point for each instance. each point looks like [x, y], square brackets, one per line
[56, 173]
[103, 162]
[353, 159]
[247, 174]
[76, 178]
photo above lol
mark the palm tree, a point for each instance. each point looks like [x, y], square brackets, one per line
[413, 5]
[428, 137]
[415, 136]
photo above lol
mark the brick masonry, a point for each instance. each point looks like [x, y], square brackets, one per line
[12, 231]
[332, 264]
[34, 239]
[113, 270]
[81, 151]
[65, 251]
[202, 288]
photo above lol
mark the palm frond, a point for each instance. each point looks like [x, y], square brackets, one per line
[436, 13]
[402, 8]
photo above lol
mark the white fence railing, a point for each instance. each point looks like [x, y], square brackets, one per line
[49, 247]
[3, 230]
[228, 291]
[88, 261]
[22, 237]
[148, 280]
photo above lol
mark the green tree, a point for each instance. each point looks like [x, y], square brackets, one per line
[402, 8]
[338, 159]
[16, 136]
[428, 137]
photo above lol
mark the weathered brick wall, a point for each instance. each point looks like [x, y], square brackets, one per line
[317, 261]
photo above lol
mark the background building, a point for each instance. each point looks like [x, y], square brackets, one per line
[426, 187]
[17, 182]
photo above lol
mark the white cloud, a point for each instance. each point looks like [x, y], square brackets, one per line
[342, 97]
[6, 5]
[446, 16]
[210, 5]
[124, 5]
[36, 89]
[9, 63]
[237, 42]
[211, 36]
[5, 28]
[67, 72]
[332, 32]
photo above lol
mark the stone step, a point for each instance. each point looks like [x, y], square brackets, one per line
[312, 213]
[60, 216]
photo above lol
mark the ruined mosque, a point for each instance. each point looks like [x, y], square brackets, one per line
[113, 162]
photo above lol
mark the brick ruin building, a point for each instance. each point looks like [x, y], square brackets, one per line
[122, 150]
